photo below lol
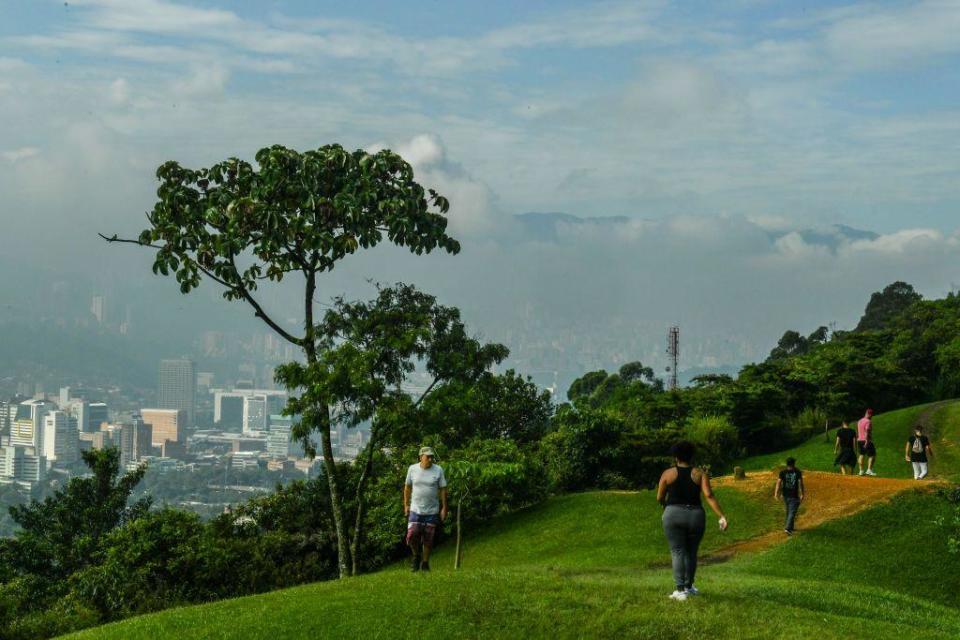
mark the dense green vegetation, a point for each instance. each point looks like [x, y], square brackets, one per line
[906, 351]
[85, 555]
[580, 566]
[507, 447]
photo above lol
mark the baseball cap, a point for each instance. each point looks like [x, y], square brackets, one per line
[427, 451]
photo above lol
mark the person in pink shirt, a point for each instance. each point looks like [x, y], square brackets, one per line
[865, 443]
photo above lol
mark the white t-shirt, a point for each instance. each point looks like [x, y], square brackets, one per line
[426, 483]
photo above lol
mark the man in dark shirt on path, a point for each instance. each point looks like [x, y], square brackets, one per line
[790, 484]
[917, 452]
[846, 456]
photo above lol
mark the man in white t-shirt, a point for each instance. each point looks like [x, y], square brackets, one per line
[425, 505]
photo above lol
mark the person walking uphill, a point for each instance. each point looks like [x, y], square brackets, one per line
[684, 520]
[790, 484]
[425, 505]
[843, 449]
[865, 443]
[917, 451]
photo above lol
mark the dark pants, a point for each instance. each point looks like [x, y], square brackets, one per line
[792, 505]
[684, 528]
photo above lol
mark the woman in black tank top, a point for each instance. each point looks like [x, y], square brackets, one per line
[684, 490]
[684, 521]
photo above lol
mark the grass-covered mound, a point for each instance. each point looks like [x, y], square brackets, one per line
[591, 565]
[890, 432]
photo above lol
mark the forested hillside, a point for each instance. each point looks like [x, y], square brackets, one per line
[85, 556]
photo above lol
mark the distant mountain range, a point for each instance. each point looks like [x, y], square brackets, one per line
[543, 227]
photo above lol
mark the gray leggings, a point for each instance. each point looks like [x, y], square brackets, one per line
[684, 528]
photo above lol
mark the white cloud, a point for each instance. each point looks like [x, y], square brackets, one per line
[203, 81]
[903, 241]
[877, 37]
[156, 16]
[119, 92]
[16, 155]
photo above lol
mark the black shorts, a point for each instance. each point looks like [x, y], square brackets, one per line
[867, 448]
[846, 457]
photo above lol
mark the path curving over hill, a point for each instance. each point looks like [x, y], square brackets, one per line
[829, 496]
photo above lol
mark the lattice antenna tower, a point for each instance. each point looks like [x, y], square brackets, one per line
[673, 352]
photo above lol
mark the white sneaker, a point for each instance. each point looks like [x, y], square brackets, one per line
[692, 591]
[861, 472]
[870, 472]
[679, 596]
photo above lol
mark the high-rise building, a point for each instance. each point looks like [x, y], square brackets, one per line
[255, 414]
[61, 440]
[64, 397]
[279, 445]
[246, 409]
[26, 429]
[22, 464]
[166, 424]
[178, 386]
[97, 415]
[228, 410]
[31, 467]
[136, 440]
[8, 413]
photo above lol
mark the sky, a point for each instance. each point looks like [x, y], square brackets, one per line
[722, 131]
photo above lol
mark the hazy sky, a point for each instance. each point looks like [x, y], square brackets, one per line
[712, 124]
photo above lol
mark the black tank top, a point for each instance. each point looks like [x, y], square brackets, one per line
[684, 490]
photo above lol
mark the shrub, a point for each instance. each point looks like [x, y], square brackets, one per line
[952, 523]
[717, 441]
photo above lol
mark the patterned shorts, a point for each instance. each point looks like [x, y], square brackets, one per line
[422, 529]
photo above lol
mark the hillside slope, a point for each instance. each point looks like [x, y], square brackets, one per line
[594, 565]
[890, 432]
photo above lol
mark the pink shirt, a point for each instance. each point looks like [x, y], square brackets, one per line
[863, 429]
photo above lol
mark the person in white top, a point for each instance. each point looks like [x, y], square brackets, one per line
[425, 505]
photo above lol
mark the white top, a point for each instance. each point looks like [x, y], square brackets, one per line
[426, 483]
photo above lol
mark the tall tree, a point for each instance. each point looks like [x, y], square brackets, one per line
[239, 226]
[366, 352]
[885, 306]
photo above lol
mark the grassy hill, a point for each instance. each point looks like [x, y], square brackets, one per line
[890, 432]
[595, 565]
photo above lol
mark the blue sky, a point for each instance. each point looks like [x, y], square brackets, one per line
[814, 111]
[720, 127]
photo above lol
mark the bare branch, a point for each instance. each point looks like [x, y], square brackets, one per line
[114, 238]
[258, 310]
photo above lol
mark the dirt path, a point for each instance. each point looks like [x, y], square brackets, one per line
[830, 496]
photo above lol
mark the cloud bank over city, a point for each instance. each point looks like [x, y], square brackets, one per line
[731, 137]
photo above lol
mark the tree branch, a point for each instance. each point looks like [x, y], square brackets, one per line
[258, 310]
[239, 288]
[425, 393]
[114, 238]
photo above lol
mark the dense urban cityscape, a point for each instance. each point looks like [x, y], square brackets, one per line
[204, 447]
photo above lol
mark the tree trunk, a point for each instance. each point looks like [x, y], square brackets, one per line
[336, 500]
[361, 502]
[329, 464]
[458, 557]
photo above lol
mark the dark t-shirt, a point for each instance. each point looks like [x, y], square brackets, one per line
[790, 483]
[847, 437]
[920, 443]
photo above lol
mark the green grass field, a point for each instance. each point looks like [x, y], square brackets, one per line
[890, 432]
[591, 565]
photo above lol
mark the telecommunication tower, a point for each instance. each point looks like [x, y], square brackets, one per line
[673, 350]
